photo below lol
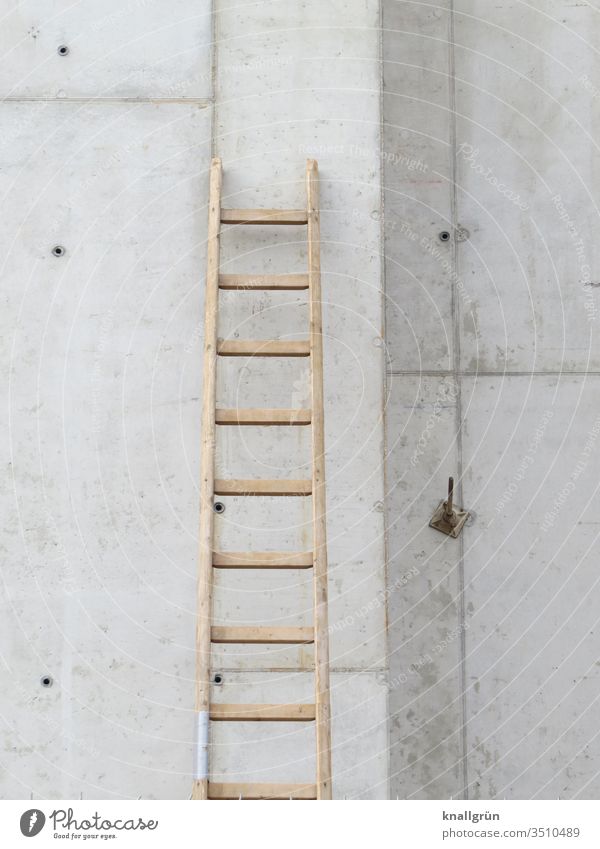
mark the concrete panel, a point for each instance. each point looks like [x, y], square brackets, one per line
[417, 169]
[523, 271]
[114, 49]
[426, 623]
[285, 751]
[115, 723]
[525, 135]
[101, 344]
[531, 581]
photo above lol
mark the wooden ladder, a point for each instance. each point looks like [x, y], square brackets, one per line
[206, 633]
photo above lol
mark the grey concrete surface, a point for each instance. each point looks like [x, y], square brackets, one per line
[100, 446]
[531, 578]
[115, 50]
[105, 151]
[423, 592]
[496, 105]
[460, 668]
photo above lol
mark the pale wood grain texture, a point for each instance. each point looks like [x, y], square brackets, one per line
[262, 713]
[272, 282]
[261, 634]
[262, 487]
[263, 216]
[322, 694]
[263, 348]
[262, 560]
[207, 454]
[262, 417]
[261, 791]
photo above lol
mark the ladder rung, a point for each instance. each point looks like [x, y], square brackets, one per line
[261, 791]
[262, 560]
[262, 713]
[263, 281]
[263, 487]
[262, 348]
[262, 417]
[253, 634]
[264, 216]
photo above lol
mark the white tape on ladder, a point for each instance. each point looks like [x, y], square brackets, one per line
[201, 753]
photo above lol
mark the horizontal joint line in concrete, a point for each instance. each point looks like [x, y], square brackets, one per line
[198, 101]
[442, 373]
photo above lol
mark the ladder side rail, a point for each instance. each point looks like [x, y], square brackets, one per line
[207, 477]
[322, 689]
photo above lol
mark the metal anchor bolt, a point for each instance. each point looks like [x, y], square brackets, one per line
[446, 519]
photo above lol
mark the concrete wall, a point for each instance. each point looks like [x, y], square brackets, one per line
[481, 651]
[105, 152]
[490, 133]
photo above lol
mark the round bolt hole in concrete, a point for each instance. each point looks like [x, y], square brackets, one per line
[219, 507]
[58, 250]
[63, 50]
[46, 681]
[218, 678]
[444, 236]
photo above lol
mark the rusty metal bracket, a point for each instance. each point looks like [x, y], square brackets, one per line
[448, 519]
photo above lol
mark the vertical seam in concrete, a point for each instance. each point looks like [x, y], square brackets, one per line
[456, 358]
[384, 378]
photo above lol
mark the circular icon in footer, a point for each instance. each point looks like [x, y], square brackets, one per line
[32, 822]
